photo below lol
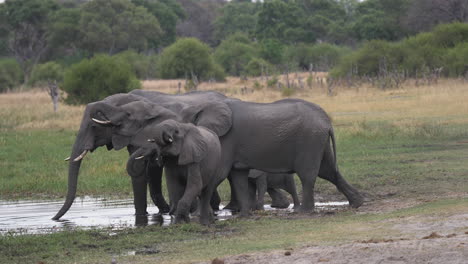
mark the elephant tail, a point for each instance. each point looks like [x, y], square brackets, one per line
[332, 136]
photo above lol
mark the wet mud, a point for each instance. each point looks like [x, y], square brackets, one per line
[34, 217]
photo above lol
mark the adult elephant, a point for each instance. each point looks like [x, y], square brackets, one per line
[287, 136]
[113, 121]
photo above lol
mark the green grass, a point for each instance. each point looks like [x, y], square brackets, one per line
[191, 242]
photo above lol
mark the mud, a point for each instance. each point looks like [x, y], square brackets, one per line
[34, 217]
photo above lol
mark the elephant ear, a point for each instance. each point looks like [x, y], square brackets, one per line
[142, 111]
[216, 116]
[194, 147]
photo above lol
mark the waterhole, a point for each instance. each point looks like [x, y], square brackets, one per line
[34, 217]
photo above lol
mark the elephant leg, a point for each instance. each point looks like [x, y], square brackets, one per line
[290, 187]
[252, 193]
[329, 171]
[233, 205]
[240, 184]
[308, 179]
[175, 189]
[206, 213]
[139, 185]
[154, 175]
[215, 200]
[261, 190]
[137, 171]
[278, 199]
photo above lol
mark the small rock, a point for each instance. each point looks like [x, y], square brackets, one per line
[217, 261]
[451, 235]
[432, 235]
[323, 260]
[287, 253]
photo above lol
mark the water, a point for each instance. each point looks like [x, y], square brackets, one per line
[34, 217]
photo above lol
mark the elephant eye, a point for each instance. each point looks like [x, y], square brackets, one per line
[176, 132]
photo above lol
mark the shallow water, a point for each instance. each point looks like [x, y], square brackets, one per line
[34, 217]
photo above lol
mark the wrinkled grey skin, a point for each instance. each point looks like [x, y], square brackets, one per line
[287, 136]
[260, 181]
[126, 118]
[191, 156]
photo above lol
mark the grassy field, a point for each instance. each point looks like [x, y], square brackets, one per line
[409, 144]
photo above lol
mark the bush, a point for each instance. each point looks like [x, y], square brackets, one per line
[94, 79]
[142, 65]
[256, 66]
[456, 61]
[42, 73]
[185, 57]
[234, 53]
[10, 74]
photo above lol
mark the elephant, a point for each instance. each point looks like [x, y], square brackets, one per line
[191, 156]
[260, 182]
[113, 121]
[286, 136]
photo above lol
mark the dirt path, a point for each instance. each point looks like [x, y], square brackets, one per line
[423, 239]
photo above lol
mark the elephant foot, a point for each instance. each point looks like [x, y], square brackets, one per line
[305, 209]
[232, 206]
[259, 207]
[206, 221]
[181, 219]
[164, 209]
[141, 213]
[357, 202]
[280, 205]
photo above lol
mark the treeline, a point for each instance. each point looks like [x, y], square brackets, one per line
[207, 39]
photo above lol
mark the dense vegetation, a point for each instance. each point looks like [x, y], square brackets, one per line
[242, 38]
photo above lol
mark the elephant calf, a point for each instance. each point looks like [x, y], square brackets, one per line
[260, 182]
[191, 156]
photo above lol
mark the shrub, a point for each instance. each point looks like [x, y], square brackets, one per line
[42, 73]
[234, 53]
[142, 65]
[456, 60]
[256, 66]
[10, 74]
[185, 57]
[96, 78]
[272, 82]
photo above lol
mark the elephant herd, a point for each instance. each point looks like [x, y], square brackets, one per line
[202, 138]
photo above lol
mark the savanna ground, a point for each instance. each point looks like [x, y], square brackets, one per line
[406, 149]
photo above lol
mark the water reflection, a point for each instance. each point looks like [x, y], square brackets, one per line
[34, 217]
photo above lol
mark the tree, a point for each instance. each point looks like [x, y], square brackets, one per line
[111, 26]
[423, 15]
[236, 17]
[26, 24]
[188, 58]
[65, 35]
[234, 53]
[168, 13]
[96, 78]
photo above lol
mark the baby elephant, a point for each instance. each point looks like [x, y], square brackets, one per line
[191, 157]
[260, 182]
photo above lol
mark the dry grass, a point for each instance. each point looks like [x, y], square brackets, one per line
[438, 104]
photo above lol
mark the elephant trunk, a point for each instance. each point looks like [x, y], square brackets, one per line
[73, 170]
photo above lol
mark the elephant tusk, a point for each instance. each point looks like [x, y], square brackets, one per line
[80, 157]
[151, 140]
[140, 157]
[67, 159]
[170, 140]
[102, 122]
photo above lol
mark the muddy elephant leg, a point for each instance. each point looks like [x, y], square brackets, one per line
[206, 212]
[175, 189]
[252, 193]
[233, 205]
[215, 200]
[261, 190]
[137, 171]
[329, 171]
[154, 176]
[278, 199]
[290, 187]
[240, 184]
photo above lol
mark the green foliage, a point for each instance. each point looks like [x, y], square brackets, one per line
[96, 78]
[141, 64]
[187, 57]
[43, 73]
[236, 17]
[272, 82]
[456, 60]
[10, 74]
[272, 51]
[321, 56]
[257, 66]
[234, 53]
[287, 92]
[449, 35]
[111, 26]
